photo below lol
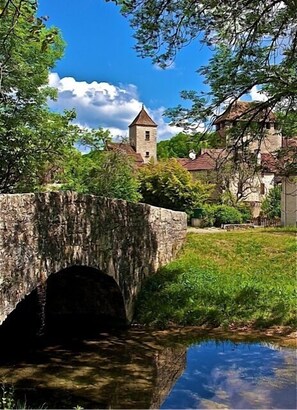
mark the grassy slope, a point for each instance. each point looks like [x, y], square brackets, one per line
[232, 278]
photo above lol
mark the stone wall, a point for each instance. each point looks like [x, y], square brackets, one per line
[40, 234]
[141, 145]
[289, 201]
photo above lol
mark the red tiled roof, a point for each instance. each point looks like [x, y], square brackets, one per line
[268, 163]
[289, 142]
[125, 149]
[200, 163]
[143, 119]
[244, 110]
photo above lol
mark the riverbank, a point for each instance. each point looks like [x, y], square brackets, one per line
[231, 280]
[283, 336]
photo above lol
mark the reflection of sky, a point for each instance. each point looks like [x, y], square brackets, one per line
[236, 376]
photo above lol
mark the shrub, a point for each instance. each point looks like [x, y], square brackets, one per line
[169, 185]
[208, 215]
[227, 215]
[271, 206]
[245, 211]
[216, 215]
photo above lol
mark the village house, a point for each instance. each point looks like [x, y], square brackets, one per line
[248, 186]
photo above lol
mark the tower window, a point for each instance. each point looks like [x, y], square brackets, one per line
[267, 125]
[147, 135]
[262, 188]
[147, 154]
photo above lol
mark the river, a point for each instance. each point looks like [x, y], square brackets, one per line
[140, 369]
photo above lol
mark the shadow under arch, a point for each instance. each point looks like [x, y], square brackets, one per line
[77, 301]
[81, 300]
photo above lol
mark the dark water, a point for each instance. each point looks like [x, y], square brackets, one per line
[138, 370]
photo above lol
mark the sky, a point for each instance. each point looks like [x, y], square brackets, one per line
[101, 76]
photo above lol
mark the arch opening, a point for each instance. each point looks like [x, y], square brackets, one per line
[79, 301]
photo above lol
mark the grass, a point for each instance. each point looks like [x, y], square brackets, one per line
[225, 279]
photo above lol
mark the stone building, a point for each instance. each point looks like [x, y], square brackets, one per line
[248, 186]
[142, 146]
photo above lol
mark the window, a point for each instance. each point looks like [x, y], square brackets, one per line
[267, 125]
[147, 154]
[262, 188]
[147, 135]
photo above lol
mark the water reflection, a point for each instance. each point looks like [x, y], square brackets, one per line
[241, 376]
[138, 369]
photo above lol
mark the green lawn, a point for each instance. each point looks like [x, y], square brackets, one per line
[232, 278]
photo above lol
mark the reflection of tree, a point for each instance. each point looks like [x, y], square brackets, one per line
[123, 370]
[170, 364]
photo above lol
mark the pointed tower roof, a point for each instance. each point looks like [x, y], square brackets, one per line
[143, 119]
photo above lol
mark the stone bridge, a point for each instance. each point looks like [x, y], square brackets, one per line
[81, 253]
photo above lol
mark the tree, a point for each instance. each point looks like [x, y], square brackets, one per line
[271, 206]
[254, 44]
[181, 144]
[169, 185]
[30, 134]
[103, 173]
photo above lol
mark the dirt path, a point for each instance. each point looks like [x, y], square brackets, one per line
[191, 229]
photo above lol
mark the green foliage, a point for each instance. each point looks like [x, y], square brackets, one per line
[287, 122]
[169, 185]
[181, 144]
[253, 43]
[227, 215]
[271, 205]
[9, 401]
[109, 174]
[245, 278]
[29, 133]
[216, 215]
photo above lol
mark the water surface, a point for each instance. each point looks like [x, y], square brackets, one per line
[138, 369]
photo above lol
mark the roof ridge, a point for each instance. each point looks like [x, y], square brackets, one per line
[143, 119]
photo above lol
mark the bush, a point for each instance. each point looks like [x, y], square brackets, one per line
[208, 215]
[216, 215]
[227, 215]
[245, 211]
[169, 185]
[271, 206]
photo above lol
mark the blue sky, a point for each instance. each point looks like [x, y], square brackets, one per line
[101, 76]
[99, 51]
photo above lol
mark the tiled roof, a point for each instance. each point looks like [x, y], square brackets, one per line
[290, 142]
[211, 159]
[202, 162]
[143, 119]
[268, 163]
[244, 110]
[125, 149]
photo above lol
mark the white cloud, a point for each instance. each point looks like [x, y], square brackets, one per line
[100, 104]
[165, 131]
[257, 95]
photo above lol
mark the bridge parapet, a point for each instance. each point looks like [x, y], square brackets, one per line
[41, 234]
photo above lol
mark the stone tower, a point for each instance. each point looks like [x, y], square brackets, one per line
[143, 136]
[240, 112]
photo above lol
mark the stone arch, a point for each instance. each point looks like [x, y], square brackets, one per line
[77, 300]
[82, 299]
[43, 233]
